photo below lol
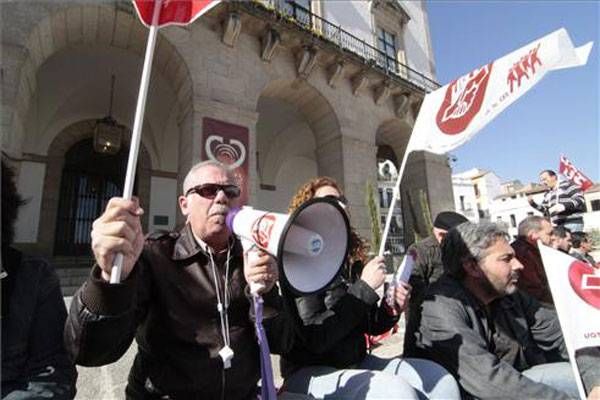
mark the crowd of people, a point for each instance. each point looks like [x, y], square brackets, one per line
[480, 316]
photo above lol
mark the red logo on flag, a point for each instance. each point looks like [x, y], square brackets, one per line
[523, 68]
[262, 229]
[463, 101]
[585, 282]
[178, 12]
[570, 171]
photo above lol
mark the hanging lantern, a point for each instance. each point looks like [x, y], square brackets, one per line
[108, 133]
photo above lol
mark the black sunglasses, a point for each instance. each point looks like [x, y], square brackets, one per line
[341, 198]
[210, 190]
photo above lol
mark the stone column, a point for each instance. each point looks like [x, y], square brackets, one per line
[351, 162]
[427, 184]
[13, 57]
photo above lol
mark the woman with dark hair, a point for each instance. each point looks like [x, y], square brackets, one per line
[329, 358]
[35, 363]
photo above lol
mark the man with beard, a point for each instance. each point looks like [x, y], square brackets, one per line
[35, 364]
[183, 295]
[496, 341]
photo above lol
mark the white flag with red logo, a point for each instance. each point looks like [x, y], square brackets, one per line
[567, 169]
[454, 113]
[575, 287]
[173, 12]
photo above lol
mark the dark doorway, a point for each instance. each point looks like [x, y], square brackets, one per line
[89, 180]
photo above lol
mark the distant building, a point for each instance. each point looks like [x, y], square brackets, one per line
[591, 219]
[465, 201]
[474, 190]
[479, 196]
[511, 207]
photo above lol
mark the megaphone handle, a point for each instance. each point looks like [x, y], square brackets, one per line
[255, 287]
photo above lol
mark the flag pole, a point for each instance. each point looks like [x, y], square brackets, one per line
[557, 185]
[568, 343]
[395, 197]
[136, 135]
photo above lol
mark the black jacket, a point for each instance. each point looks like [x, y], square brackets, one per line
[428, 268]
[487, 349]
[35, 363]
[169, 303]
[333, 324]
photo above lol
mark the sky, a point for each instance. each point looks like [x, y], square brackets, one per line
[560, 115]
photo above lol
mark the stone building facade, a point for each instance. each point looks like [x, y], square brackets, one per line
[284, 90]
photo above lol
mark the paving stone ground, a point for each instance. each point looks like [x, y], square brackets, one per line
[108, 382]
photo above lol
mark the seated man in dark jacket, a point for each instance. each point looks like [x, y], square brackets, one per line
[183, 294]
[35, 364]
[428, 269]
[497, 341]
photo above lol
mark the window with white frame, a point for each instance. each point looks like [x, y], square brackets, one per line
[390, 19]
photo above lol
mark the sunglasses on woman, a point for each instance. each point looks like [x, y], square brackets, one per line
[210, 190]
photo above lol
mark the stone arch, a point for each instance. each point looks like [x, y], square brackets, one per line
[310, 102]
[52, 181]
[295, 125]
[111, 25]
[391, 139]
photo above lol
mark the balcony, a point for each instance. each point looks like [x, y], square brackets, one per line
[334, 34]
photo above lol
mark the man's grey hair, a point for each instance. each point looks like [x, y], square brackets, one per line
[469, 241]
[188, 182]
[531, 224]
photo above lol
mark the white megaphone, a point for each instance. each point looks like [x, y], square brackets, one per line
[310, 245]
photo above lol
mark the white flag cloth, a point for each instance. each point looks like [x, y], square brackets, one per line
[575, 288]
[454, 113]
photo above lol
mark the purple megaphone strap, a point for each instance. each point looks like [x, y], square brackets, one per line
[267, 389]
[230, 217]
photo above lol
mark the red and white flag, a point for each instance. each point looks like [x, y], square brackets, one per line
[453, 114]
[575, 287]
[567, 169]
[173, 12]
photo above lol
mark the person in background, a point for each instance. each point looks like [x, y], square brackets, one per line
[329, 358]
[496, 340]
[582, 247]
[35, 364]
[427, 269]
[533, 277]
[561, 239]
[563, 201]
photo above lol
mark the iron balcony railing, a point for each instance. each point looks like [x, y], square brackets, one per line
[335, 34]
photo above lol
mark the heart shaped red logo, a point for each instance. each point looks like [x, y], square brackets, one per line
[585, 282]
[463, 101]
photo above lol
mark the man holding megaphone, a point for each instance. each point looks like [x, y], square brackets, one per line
[183, 295]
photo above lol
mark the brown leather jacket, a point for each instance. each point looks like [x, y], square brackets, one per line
[169, 303]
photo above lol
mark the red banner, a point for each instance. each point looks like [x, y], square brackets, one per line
[570, 171]
[173, 12]
[227, 143]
